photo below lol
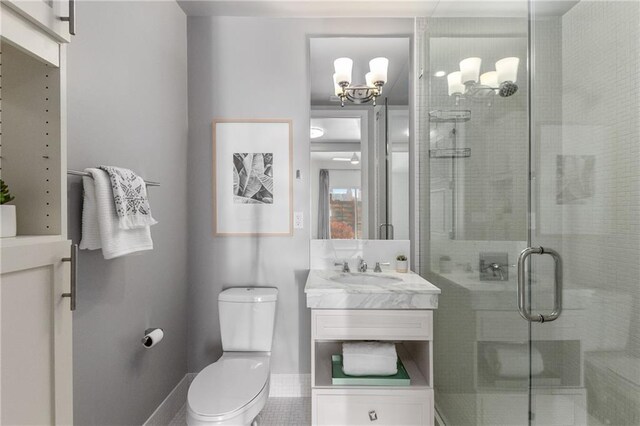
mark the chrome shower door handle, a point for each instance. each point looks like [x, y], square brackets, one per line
[522, 279]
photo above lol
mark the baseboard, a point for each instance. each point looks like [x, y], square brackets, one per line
[168, 408]
[290, 386]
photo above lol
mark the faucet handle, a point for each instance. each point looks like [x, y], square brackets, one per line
[344, 264]
[378, 268]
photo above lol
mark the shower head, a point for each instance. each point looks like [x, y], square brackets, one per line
[507, 89]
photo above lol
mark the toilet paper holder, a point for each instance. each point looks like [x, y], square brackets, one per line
[151, 337]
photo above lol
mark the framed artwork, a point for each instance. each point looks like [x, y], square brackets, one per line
[252, 177]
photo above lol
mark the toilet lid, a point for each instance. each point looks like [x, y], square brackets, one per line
[227, 385]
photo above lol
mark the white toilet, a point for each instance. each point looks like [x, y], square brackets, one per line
[234, 389]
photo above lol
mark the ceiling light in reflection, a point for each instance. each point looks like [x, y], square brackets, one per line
[316, 132]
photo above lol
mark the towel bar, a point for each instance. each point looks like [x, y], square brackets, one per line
[79, 173]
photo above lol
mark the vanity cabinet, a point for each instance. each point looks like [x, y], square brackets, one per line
[410, 329]
[35, 266]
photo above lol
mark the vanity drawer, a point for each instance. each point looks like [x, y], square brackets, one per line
[338, 324]
[373, 407]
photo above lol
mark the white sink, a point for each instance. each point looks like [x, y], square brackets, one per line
[364, 278]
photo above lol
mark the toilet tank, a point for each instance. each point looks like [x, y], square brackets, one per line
[247, 317]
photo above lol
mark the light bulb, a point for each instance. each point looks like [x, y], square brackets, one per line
[343, 68]
[455, 85]
[470, 70]
[379, 67]
[369, 79]
[489, 79]
[507, 69]
[355, 159]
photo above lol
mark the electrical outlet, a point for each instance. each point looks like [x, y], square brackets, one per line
[298, 220]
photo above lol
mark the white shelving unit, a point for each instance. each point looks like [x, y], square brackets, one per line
[412, 332]
[36, 319]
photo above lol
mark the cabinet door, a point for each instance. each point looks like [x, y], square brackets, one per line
[35, 336]
[46, 15]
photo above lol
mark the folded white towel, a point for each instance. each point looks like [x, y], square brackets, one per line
[90, 229]
[369, 359]
[100, 222]
[511, 361]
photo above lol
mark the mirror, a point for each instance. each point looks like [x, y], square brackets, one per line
[359, 151]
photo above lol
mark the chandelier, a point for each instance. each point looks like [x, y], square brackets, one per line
[359, 93]
[469, 84]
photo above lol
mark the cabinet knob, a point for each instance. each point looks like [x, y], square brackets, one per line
[373, 416]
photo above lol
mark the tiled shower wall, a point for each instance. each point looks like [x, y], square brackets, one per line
[601, 115]
[597, 232]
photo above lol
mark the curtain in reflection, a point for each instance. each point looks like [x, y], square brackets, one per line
[323, 206]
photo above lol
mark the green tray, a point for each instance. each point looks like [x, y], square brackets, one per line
[339, 378]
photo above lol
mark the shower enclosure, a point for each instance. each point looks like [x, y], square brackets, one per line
[534, 226]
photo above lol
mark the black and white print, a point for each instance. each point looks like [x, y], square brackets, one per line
[253, 178]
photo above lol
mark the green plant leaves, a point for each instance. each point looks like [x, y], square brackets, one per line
[5, 195]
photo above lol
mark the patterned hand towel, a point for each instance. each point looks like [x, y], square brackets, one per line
[100, 222]
[130, 198]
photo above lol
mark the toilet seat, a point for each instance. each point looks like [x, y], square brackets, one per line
[229, 386]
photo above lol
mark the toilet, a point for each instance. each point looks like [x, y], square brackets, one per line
[234, 389]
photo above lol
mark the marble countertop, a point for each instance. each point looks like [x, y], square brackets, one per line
[410, 292]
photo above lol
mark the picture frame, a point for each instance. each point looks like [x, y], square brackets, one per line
[252, 183]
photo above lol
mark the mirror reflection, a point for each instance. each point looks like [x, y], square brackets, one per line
[359, 132]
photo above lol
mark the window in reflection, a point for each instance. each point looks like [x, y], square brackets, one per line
[346, 213]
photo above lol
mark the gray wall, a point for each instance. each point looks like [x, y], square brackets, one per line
[253, 68]
[128, 107]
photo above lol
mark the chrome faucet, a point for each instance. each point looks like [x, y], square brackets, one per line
[362, 265]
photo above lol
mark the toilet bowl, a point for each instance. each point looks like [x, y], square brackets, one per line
[234, 389]
[231, 391]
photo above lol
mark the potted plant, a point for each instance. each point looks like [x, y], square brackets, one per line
[402, 264]
[7, 212]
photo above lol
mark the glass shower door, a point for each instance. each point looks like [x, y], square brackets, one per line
[585, 213]
[474, 154]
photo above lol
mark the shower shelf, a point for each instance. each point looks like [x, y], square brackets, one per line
[449, 116]
[450, 153]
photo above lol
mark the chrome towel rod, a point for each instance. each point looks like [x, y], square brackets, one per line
[79, 173]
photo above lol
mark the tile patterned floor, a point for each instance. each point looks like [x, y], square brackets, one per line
[277, 412]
